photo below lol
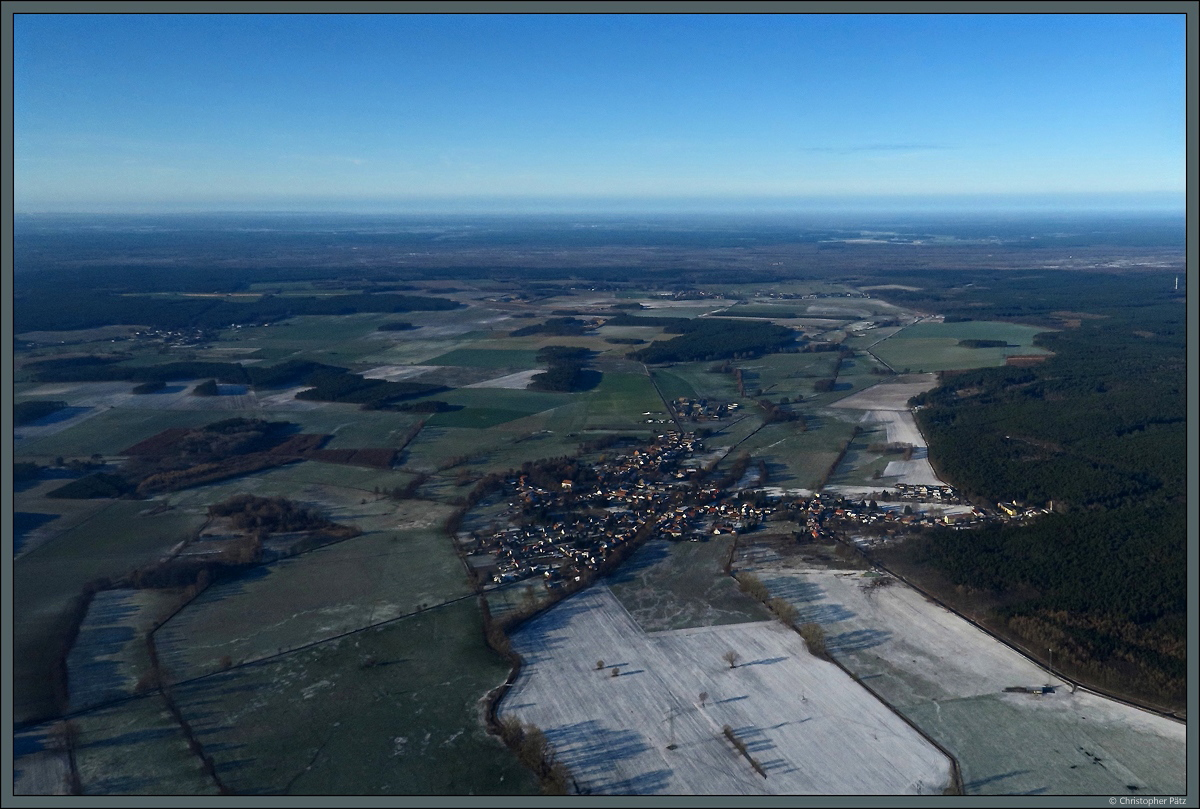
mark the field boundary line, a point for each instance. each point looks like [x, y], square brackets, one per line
[244, 664]
[330, 639]
[661, 398]
[890, 336]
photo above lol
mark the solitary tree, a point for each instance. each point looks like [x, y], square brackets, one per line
[703, 698]
[731, 657]
[599, 664]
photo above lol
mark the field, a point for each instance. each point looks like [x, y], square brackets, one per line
[798, 460]
[620, 401]
[887, 420]
[110, 431]
[925, 347]
[355, 583]
[110, 653]
[949, 678]
[638, 724]
[488, 358]
[392, 710]
[111, 542]
[359, 667]
[676, 585]
[892, 394]
[137, 748]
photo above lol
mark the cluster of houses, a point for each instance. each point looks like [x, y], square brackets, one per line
[560, 532]
[702, 409]
[582, 521]
[1020, 511]
[925, 494]
[176, 337]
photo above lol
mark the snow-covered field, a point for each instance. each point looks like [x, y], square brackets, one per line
[395, 373]
[891, 395]
[518, 381]
[900, 425]
[902, 428]
[949, 678]
[810, 726]
[101, 396]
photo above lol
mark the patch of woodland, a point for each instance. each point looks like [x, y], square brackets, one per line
[568, 370]
[59, 309]
[556, 326]
[29, 412]
[708, 338]
[181, 457]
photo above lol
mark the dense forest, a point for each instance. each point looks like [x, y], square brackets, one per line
[1098, 432]
[42, 309]
[983, 343]
[110, 369]
[568, 370]
[556, 326]
[29, 412]
[339, 385]
[707, 338]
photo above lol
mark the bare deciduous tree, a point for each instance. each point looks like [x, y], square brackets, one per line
[731, 657]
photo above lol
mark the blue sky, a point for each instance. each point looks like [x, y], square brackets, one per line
[308, 112]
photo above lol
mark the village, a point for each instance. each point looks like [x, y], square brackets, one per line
[562, 530]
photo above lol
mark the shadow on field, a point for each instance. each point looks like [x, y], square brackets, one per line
[779, 766]
[24, 522]
[590, 751]
[779, 473]
[857, 640]
[644, 784]
[539, 637]
[163, 734]
[755, 739]
[973, 786]
[803, 594]
[57, 416]
[647, 556]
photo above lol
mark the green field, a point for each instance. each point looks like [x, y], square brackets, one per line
[488, 407]
[112, 431]
[379, 576]
[360, 479]
[385, 711]
[335, 340]
[934, 346]
[860, 464]
[676, 585]
[706, 384]
[620, 400]
[672, 385]
[798, 459]
[137, 748]
[1014, 333]
[349, 426]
